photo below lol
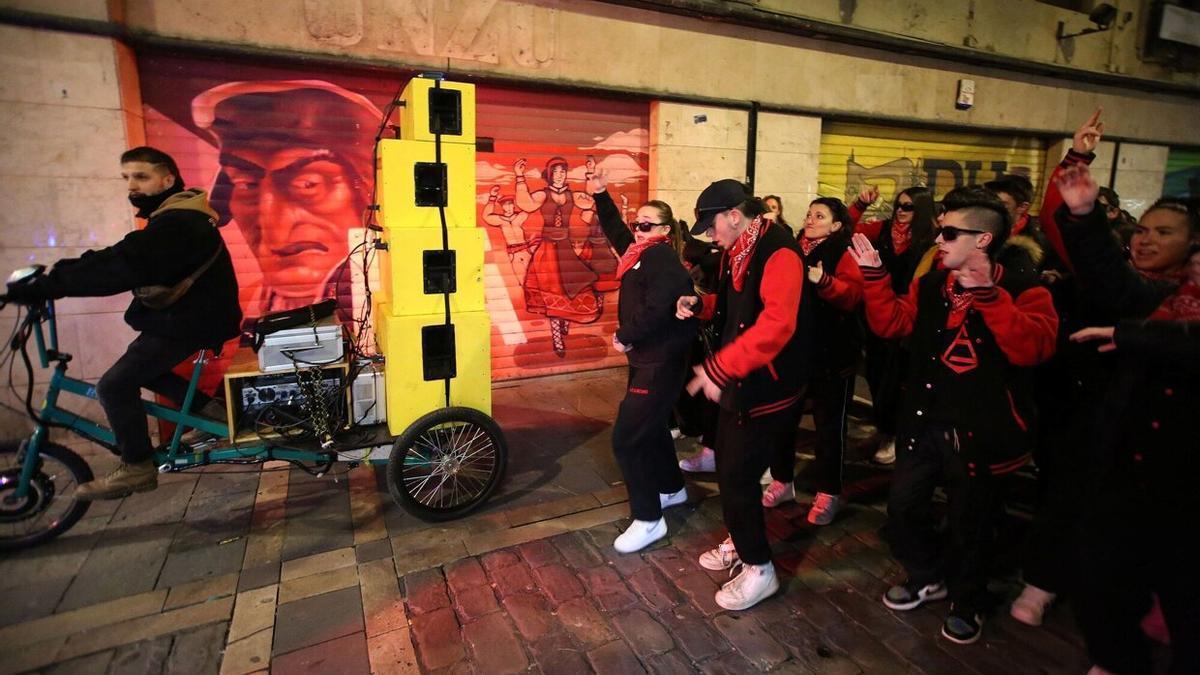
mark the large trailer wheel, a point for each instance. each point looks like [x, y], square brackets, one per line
[447, 463]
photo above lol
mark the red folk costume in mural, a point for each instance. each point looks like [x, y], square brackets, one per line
[295, 173]
[560, 281]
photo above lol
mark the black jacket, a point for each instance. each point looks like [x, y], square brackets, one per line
[1143, 432]
[179, 237]
[649, 291]
[837, 339]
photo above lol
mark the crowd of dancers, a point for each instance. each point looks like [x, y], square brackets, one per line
[990, 340]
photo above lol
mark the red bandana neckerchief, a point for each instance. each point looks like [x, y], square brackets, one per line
[809, 245]
[901, 237]
[634, 253]
[1183, 305]
[742, 251]
[1019, 226]
[962, 299]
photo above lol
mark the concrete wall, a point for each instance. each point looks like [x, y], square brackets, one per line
[584, 42]
[60, 183]
[1023, 29]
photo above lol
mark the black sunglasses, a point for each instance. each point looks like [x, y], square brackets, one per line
[906, 207]
[645, 227]
[950, 233]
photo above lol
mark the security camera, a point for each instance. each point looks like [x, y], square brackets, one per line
[1103, 15]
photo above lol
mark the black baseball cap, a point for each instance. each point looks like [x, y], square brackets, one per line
[717, 198]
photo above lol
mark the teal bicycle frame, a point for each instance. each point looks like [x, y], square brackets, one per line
[171, 457]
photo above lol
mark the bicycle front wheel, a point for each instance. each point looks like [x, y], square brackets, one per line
[49, 507]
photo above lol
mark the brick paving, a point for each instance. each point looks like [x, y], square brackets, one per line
[228, 572]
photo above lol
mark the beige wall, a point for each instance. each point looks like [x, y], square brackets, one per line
[692, 146]
[1023, 29]
[787, 158]
[60, 184]
[583, 42]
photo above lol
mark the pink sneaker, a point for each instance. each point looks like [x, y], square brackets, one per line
[1030, 606]
[704, 461]
[777, 493]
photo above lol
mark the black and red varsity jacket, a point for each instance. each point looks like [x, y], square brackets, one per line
[973, 374]
[764, 361]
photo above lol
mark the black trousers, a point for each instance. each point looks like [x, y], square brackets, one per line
[642, 440]
[887, 368]
[147, 363]
[744, 449]
[973, 503]
[830, 395]
[1132, 547]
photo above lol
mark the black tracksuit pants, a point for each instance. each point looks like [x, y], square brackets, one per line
[831, 395]
[973, 502]
[147, 363]
[744, 449]
[642, 441]
[1132, 547]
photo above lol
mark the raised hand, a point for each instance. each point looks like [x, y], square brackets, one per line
[1088, 135]
[597, 183]
[494, 192]
[1089, 334]
[1078, 189]
[863, 251]
[590, 164]
[976, 271]
[816, 272]
[868, 194]
[519, 167]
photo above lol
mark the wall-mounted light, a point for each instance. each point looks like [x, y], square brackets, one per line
[1103, 16]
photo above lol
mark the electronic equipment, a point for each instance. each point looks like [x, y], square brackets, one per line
[368, 396]
[271, 399]
[305, 346]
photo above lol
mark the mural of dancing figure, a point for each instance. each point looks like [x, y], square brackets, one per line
[512, 224]
[560, 281]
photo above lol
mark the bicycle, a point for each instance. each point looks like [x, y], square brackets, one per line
[444, 465]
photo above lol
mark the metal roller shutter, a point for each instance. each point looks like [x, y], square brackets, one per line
[289, 251]
[894, 158]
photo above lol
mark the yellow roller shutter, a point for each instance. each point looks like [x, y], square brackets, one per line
[894, 158]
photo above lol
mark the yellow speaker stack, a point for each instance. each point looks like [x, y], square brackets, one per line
[432, 325]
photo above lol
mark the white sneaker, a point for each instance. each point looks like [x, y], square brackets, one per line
[755, 584]
[777, 493]
[720, 558]
[886, 454]
[639, 535]
[1030, 606]
[669, 499]
[824, 508]
[704, 461]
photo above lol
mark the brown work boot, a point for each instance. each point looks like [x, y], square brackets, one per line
[124, 481]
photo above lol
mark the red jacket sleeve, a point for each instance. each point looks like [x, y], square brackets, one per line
[1052, 200]
[844, 288]
[1025, 327]
[708, 306]
[888, 316]
[782, 282]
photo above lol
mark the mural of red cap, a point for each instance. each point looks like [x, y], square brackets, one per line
[296, 160]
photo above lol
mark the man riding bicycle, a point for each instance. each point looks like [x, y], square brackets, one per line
[185, 299]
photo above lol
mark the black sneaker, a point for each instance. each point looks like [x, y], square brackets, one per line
[911, 596]
[962, 627]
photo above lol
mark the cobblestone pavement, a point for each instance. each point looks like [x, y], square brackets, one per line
[238, 572]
